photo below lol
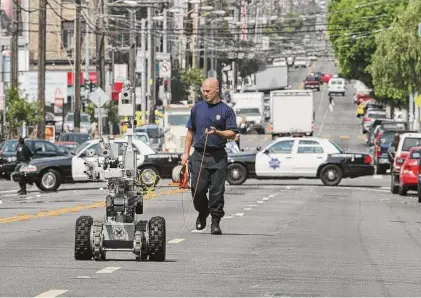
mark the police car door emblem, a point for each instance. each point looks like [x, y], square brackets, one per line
[274, 163]
[218, 117]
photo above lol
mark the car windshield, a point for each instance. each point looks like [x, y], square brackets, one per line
[153, 132]
[142, 138]
[337, 146]
[178, 119]
[78, 138]
[82, 147]
[411, 142]
[388, 137]
[376, 115]
[248, 111]
[83, 118]
[10, 146]
[415, 155]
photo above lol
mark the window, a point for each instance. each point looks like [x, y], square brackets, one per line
[10, 146]
[310, 149]
[282, 147]
[309, 142]
[180, 120]
[415, 155]
[248, 111]
[50, 147]
[411, 142]
[337, 146]
[376, 115]
[96, 148]
[67, 35]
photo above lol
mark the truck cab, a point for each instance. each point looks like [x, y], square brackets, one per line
[250, 111]
[176, 117]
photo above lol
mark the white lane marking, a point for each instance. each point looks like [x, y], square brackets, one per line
[52, 293]
[377, 177]
[228, 217]
[271, 196]
[260, 202]
[321, 98]
[323, 122]
[176, 240]
[238, 214]
[341, 187]
[265, 199]
[198, 231]
[83, 277]
[251, 205]
[247, 209]
[108, 270]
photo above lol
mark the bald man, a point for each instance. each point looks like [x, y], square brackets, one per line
[215, 120]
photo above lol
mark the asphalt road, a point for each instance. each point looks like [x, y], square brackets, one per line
[280, 238]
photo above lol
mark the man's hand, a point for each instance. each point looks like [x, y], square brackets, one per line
[184, 158]
[210, 131]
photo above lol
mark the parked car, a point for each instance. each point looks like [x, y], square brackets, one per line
[406, 142]
[39, 148]
[77, 137]
[408, 176]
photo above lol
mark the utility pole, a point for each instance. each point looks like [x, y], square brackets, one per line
[14, 46]
[132, 52]
[100, 46]
[194, 36]
[144, 83]
[42, 53]
[151, 65]
[77, 66]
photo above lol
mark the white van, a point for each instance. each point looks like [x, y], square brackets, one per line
[336, 86]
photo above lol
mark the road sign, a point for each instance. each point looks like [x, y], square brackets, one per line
[419, 29]
[99, 97]
[165, 69]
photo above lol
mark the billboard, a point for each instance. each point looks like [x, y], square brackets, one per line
[55, 85]
[6, 17]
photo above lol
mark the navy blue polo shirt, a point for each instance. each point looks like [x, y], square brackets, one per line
[204, 115]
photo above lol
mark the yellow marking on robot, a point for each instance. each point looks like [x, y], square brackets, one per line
[22, 217]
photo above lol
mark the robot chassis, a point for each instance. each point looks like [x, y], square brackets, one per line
[120, 230]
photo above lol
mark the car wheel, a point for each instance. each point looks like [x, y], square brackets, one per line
[402, 190]
[50, 180]
[331, 175]
[149, 176]
[236, 174]
[394, 185]
[380, 170]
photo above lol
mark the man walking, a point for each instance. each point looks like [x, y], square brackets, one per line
[211, 123]
[23, 156]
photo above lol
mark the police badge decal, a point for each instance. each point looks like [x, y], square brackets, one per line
[218, 117]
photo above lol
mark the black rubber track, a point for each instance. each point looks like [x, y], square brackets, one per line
[83, 249]
[157, 239]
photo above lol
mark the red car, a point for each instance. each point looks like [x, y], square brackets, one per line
[408, 176]
[362, 97]
[326, 77]
[311, 82]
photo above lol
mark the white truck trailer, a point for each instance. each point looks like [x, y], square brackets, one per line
[175, 120]
[292, 113]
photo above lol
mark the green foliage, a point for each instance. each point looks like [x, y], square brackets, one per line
[20, 110]
[396, 64]
[352, 26]
[90, 110]
[193, 79]
[179, 89]
[248, 67]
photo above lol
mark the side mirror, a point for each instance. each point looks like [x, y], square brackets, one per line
[72, 152]
[259, 148]
[266, 151]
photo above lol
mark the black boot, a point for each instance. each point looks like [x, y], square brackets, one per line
[215, 228]
[22, 190]
[201, 222]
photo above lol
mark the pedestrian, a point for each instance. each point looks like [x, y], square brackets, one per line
[23, 156]
[214, 120]
[331, 103]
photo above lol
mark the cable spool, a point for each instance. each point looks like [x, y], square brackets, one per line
[180, 175]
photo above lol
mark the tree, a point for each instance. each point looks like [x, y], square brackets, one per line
[352, 26]
[19, 110]
[396, 64]
[193, 79]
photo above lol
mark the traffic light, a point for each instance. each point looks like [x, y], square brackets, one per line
[165, 85]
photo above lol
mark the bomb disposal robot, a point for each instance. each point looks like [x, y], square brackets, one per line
[120, 230]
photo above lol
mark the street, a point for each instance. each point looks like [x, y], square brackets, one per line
[280, 238]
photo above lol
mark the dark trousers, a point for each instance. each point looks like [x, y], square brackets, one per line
[212, 180]
[22, 180]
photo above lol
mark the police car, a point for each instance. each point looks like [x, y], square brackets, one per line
[295, 157]
[49, 173]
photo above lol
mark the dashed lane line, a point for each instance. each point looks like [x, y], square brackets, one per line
[57, 212]
[265, 199]
[251, 205]
[247, 209]
[344, 137]
[176, 241]
[52, 293]
[108, 270]
[238, 214]
[260, 202]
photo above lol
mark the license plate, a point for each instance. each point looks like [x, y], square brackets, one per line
[383, 161]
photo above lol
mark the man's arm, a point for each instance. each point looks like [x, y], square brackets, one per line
[189, 140]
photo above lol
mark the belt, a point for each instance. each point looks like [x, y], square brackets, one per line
[208, 150]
